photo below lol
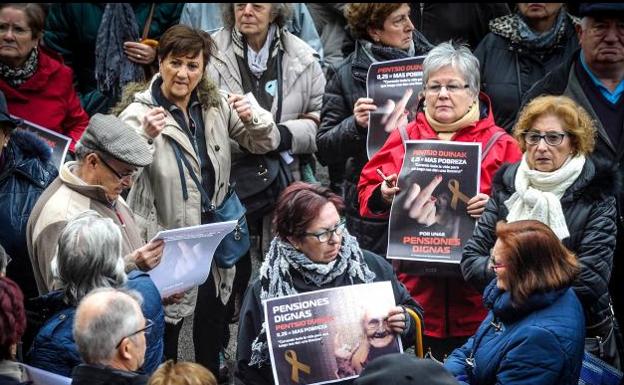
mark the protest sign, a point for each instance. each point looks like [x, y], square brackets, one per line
[58, 143]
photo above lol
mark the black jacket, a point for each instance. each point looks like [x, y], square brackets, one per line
[252, 316]
[509, 69]
[100, 375]
[25, 173]
[589, 208]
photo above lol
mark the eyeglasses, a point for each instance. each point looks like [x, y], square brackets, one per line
[117, 174]
[146, 330]
[324, 236]
[450, 88]
[495, 266]
[551, 138]
[17, 30]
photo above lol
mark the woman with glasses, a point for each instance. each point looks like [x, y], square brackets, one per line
[452, 109]
[558, 184]
[89, 257]
[311, 251]
[37, 85]
[533, 333]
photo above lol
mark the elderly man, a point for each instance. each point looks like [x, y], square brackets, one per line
[594, 78]
[109, 154]
[109, 331]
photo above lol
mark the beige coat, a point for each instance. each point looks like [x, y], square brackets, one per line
[156, 196]
[303, 86]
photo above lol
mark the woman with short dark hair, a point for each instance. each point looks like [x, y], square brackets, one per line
[312, 251]
[534, 332]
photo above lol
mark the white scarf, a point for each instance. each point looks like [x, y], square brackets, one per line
[538, 194]
[257, 61]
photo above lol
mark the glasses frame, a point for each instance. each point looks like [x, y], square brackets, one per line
[19, 32]
[148, 325]
[560, 135]
[339, 227]
[452, 90]
[117, 174]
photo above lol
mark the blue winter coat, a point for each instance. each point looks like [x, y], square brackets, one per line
[539, 344]
[25, 171]
[54, 349]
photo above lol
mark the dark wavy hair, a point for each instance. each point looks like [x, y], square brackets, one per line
[182, 40]
[362, 16]
[12, 316]
[298, 205]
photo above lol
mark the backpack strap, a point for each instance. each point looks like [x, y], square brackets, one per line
[490, 143]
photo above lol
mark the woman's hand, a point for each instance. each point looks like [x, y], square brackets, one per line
[242, 105]
[139, 53]
[389, 188]
[421, 203]
[149, 256]
[476, 205]
[397, 319]
[174, 298]
[361, 111]
[154, 122]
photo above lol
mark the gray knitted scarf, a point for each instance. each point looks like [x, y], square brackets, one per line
[276, 281]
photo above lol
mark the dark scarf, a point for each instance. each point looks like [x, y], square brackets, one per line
[15, 77]
[276, 280]
[113, 69]
[515, 29]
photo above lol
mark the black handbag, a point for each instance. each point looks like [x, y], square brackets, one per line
[236, 243]
[601, 340]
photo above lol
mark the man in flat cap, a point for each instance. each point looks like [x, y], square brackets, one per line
[594, 78]
[108, 156]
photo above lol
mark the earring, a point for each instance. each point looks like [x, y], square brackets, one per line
[376, 40]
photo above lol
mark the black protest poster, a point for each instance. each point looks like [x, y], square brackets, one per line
[329, 335]
[428, 218]
[58, 143]
[394, 86]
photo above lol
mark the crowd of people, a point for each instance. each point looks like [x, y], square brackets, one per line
[173, 111]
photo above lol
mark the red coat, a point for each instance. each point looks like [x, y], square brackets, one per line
[452, 307]
[48, 99]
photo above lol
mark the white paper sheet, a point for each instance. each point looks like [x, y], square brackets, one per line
[42, 377]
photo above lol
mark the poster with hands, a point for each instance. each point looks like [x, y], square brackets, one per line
[429, 221]
[394, 87]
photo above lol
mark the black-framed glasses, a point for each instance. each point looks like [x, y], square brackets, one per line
[324, 236]
[117, 174]
[147, 329]
[17, 30]
[495, 266]
[551, 138]
[450, 88]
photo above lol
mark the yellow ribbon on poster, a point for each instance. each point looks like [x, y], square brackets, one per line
[453, 185]
[291, 358]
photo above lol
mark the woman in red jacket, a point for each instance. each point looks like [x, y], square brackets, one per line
[453, 109]
[37, 87]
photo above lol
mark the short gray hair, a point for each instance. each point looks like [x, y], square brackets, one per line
[457, 57]
[4, 260]
[97, 336]
[281, 11]
[89, 256]
[81, 151]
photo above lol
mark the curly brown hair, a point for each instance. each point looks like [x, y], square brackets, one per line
[12, 316]
[575, 120]
[362, 16]
[182, 373]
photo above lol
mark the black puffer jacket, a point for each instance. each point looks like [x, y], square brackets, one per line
[25, 172]
[589, 208]
[340, 141]
[509, 68]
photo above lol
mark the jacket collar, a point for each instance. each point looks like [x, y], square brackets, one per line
[103, 375]
[74, 182]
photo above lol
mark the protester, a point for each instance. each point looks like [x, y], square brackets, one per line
[184, 119]
[404, 369]
[37, 85]
[453, 110]
[534, 330]
[25, 171]
[594, 78]
[12, 326]
[107, 45]
[109, 155]
[519, 50]
[89, 257]
[558, 184]
[384, 32]
[182, 373]
[330, 24]
[110, 331]
[311, 251]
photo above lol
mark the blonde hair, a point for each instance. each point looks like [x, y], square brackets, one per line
[182, 373]
[575, 120]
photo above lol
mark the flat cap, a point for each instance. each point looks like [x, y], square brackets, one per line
[404, 369]
[110, 135]
[609, 9]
